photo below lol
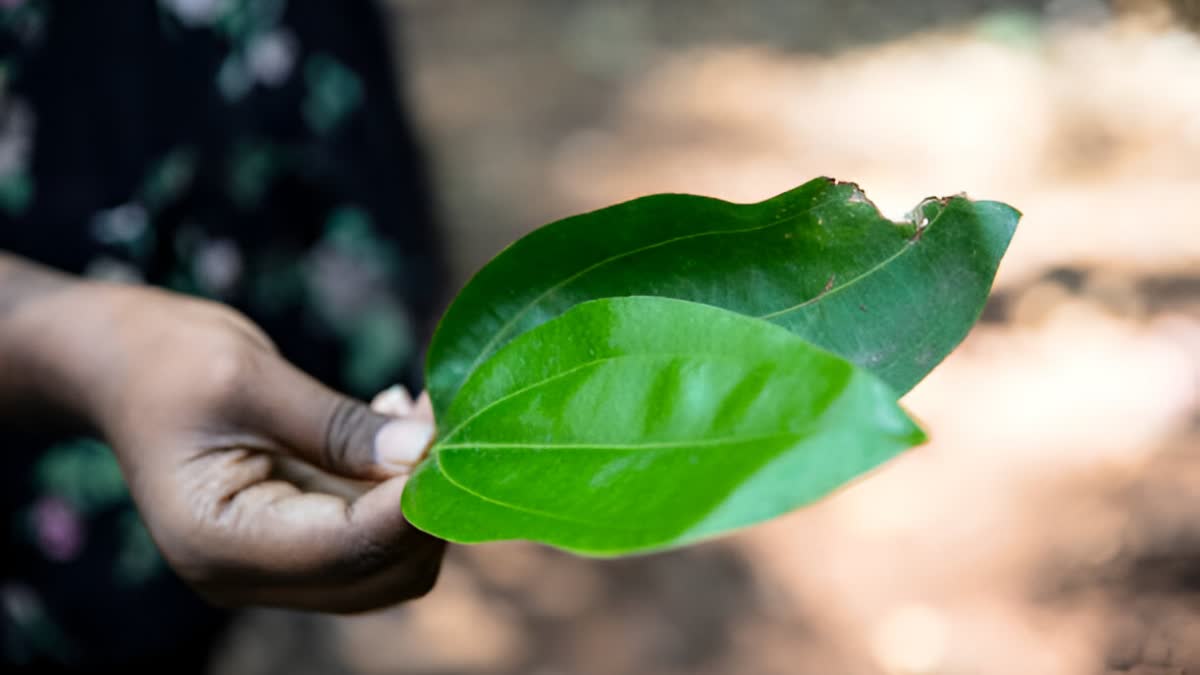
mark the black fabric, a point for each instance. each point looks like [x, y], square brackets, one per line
[253, 152]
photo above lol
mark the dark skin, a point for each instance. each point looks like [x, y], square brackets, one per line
[259, 485]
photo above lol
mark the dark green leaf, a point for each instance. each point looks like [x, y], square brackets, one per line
[819, 260]
[632, 424]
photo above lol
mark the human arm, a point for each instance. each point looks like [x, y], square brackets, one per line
[205, 419]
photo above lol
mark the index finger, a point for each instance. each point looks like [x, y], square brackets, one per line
[271, 532]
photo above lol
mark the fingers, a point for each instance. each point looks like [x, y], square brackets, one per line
[241, 536]
[272, 545]
[310, 537]
[394, 401]
[270, 533]
[411, 579]
[423, 409]
[311, 479]
[339, 434]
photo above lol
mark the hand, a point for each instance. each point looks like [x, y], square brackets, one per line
[213, 430]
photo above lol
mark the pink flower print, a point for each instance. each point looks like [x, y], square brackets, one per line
[59, 529]
[271, 56]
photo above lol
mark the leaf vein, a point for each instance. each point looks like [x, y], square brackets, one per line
[911, 244]
[531, 511]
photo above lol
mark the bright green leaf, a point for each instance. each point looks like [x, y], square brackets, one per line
[634, 424]
[675, 367]
[819, 260]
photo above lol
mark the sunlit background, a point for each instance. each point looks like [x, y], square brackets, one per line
[1053, 523]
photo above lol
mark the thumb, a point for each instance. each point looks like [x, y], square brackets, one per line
[337, 433]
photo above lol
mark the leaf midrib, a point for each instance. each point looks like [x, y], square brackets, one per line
[730, 358]
[821, 297]
[525, 509]
[441, 467]
[662, 445]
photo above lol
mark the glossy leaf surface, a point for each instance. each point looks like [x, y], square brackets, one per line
[640, 423]
[819, 260]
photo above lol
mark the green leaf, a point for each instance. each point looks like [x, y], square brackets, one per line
[675, 367]
[819, 260]
[640, 423]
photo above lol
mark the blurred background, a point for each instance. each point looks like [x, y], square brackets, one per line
[1052, 525]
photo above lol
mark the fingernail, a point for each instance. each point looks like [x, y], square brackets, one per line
[392, 401]
[400, 444]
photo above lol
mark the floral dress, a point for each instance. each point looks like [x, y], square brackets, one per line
[249, 151]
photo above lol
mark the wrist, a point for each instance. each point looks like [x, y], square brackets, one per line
[56, 342]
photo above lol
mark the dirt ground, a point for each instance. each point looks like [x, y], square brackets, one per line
[1052, 525]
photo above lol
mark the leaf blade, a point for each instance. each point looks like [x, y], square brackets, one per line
[900, 335]
[682, 432]
[781, 258]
